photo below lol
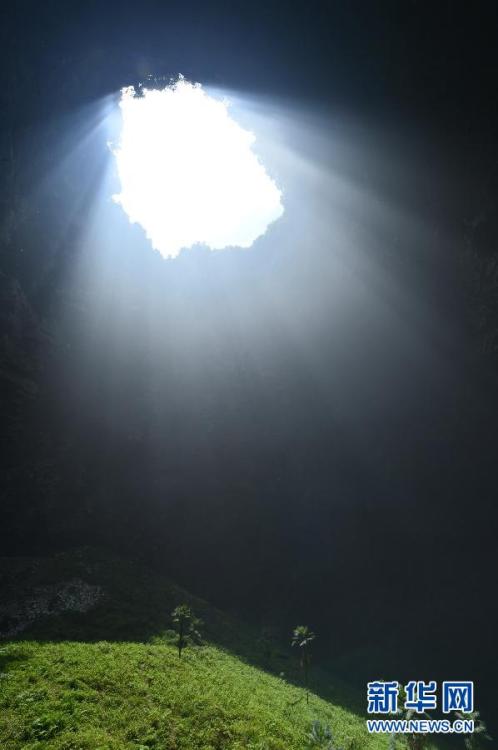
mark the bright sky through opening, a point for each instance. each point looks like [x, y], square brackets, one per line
[188, 172]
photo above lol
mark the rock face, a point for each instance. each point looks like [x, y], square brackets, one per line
[74, 596]
[24, 466]
[20, 343]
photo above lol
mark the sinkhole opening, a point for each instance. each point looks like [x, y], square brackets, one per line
[188, 171]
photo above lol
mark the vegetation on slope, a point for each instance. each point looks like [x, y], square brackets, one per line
[136, 696]
[92, 664]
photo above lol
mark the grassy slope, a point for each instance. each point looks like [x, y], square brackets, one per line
[131, 696]
[108, 679]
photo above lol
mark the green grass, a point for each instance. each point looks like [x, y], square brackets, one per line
[138, 696]
[110, 678]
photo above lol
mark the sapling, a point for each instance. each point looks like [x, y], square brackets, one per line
[302, 637]
[320, 737]
[267, 642]
[186, 626]
[414, 740]
[473, 741]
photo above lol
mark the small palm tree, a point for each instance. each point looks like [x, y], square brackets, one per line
[302, 637]
[473, 741]
[320, 736]
[267, 642]
[186, 625]
[414, 740]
